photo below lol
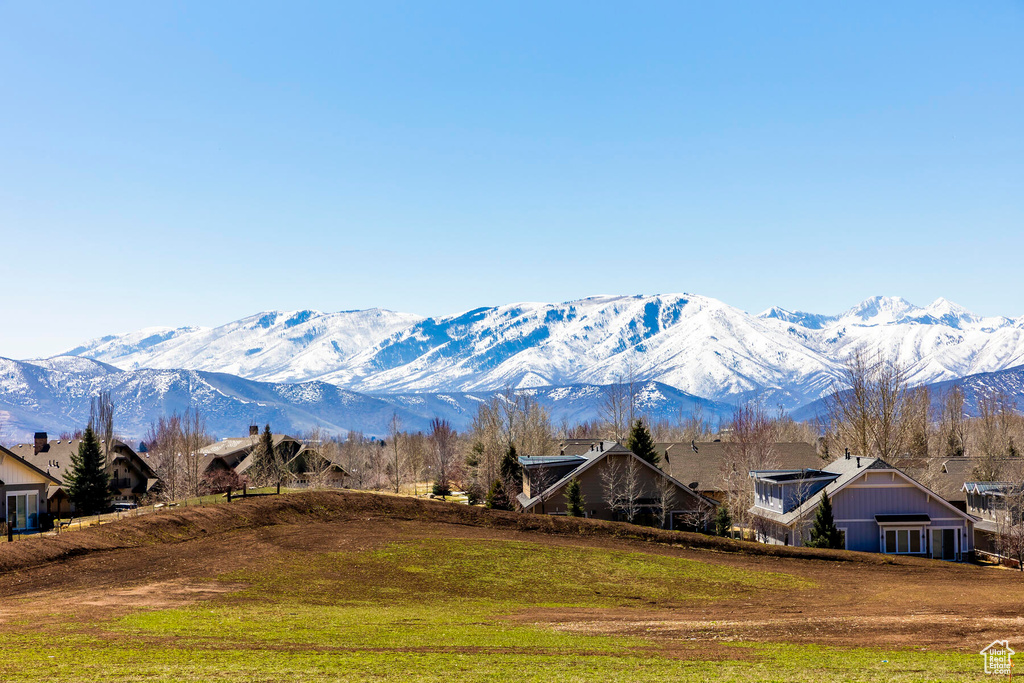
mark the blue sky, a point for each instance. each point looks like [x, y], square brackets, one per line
[191, 163]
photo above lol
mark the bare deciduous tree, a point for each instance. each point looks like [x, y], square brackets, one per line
[621, 485]
[193, 438]
[164, 441]
[443, 439]
[101, 419]
[319, 455]
[395, 464]
[952, 427]
[665, 495]
[750, 446]
[867, 409]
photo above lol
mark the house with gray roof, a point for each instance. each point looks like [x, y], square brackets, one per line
[236, 452]
[704, 465]
[237, 455]
[131, 475]
[877, 507]
[604, 468]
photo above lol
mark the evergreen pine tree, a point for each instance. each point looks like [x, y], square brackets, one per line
[88, 482]
[510, 469]
[642, 443]
[496, 498]
[266, 470]
[824, 533]
[574, 501]
[723, 521]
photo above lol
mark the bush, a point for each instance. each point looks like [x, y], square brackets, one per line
[441, 490]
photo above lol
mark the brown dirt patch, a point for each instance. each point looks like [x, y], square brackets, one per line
[169, 560]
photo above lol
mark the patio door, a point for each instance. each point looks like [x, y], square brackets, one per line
[23, 510]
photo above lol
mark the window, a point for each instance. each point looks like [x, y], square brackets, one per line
[842, 536]
[903, 541]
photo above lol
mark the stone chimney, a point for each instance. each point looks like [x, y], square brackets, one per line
[254, 430]
[40, 445]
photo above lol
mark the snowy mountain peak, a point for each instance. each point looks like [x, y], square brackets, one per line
[697, 344]
[812, 321]
[881, 310]
[945, 312]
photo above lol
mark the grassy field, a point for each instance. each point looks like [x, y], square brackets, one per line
[421, 608]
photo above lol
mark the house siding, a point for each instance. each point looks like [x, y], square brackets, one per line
[881, 493]
[855, 506]
[593, 490]
[19, 478]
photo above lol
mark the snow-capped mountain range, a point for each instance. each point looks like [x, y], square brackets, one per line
[54, 395]
[695, 344]
[351, 370]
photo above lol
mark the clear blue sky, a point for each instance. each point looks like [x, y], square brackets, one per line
[194, 162]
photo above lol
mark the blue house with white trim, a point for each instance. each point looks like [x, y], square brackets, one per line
[878, 508]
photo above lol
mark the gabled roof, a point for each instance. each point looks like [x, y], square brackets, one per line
[705, 468]
[6, 453]
[233, 445]
[306, 450]
[992, 488]
[592, 461]
[848, 472]
[56, 457]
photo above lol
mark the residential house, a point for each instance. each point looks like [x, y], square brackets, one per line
[308, 467]
[706, 466]
[605, 467]
[131, 475]
[23, 488]
[236, 453]
[877, 507]
[998, 504]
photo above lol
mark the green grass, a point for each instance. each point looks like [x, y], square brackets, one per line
[503, 574]
[441, 610]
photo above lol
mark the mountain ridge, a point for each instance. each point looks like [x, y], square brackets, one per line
[54, 395]
[694, 343]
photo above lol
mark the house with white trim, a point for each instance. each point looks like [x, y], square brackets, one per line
[602, 470]
[877, 507]
[23, 489]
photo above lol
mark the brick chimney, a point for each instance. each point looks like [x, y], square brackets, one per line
[254, 430]
[40, 445]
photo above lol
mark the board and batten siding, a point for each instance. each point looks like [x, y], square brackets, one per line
[884, 493]
[593, 492]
